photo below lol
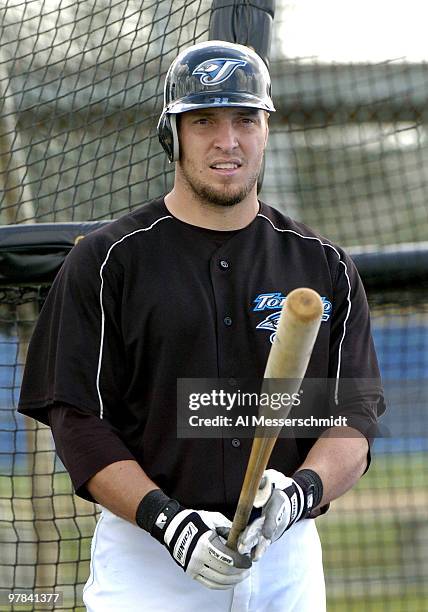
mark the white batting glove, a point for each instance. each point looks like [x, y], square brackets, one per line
[193, 540]
[196, 540]
[284, 501]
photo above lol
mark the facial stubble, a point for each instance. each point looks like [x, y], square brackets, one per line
[228, 195]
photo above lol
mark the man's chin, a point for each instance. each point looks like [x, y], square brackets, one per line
[224, 201]
[219, 194]
[224, 197]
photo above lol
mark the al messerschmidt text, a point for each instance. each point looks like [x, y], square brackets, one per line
[263, 421]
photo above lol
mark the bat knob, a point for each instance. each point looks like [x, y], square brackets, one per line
[305, 304]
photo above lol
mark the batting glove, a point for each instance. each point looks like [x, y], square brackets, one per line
[284, 501]
[195, 540]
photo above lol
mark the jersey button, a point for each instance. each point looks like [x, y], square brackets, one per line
[227, 321]
[236, 443]
[224, 264]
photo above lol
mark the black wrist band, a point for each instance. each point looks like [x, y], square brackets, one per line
[312, 487]
[149, 509]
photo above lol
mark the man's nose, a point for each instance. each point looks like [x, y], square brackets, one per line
[226, 137]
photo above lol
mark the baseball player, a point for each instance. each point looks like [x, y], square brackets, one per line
[189, 286]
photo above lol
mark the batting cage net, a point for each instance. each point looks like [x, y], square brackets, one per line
[81, 91]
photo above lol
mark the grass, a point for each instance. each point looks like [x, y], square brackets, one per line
[411, 602]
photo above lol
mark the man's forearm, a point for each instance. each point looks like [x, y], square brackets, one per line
[339, 460]
[120, 487]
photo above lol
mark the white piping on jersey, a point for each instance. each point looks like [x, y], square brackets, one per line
[348, 297]
[100, 356]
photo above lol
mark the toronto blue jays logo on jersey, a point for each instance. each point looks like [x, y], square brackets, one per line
[275, 301]
[270, 324]
[218, 70]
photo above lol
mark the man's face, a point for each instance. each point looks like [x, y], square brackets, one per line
[221, 152]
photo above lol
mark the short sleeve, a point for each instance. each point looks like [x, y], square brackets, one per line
[353, 366]
[76, 353]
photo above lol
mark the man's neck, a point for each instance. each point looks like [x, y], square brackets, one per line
[212, 216]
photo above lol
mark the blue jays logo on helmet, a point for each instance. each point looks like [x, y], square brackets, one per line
[217, 70]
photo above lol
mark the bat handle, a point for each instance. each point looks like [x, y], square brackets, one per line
[260, 452]
[240, 521]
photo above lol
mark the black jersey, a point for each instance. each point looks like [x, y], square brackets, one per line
[150, 299]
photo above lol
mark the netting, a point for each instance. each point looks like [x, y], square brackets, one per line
[374, 538]
[81, 88]
[81, 91]
[349, 152]
[44, 530]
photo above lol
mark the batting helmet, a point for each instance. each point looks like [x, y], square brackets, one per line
[212, 74]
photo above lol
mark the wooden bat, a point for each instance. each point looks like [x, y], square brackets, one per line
[288, 359]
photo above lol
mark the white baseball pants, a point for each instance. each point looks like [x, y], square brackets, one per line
[132, 572]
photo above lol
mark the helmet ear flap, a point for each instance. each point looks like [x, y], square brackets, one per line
[168, 136]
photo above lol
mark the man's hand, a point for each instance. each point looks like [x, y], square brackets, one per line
[195, 543]
[284, 501]
[196, 540]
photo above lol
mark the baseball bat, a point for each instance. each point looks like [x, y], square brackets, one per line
[288, 359]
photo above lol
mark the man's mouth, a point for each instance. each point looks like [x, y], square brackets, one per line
[225, 166]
